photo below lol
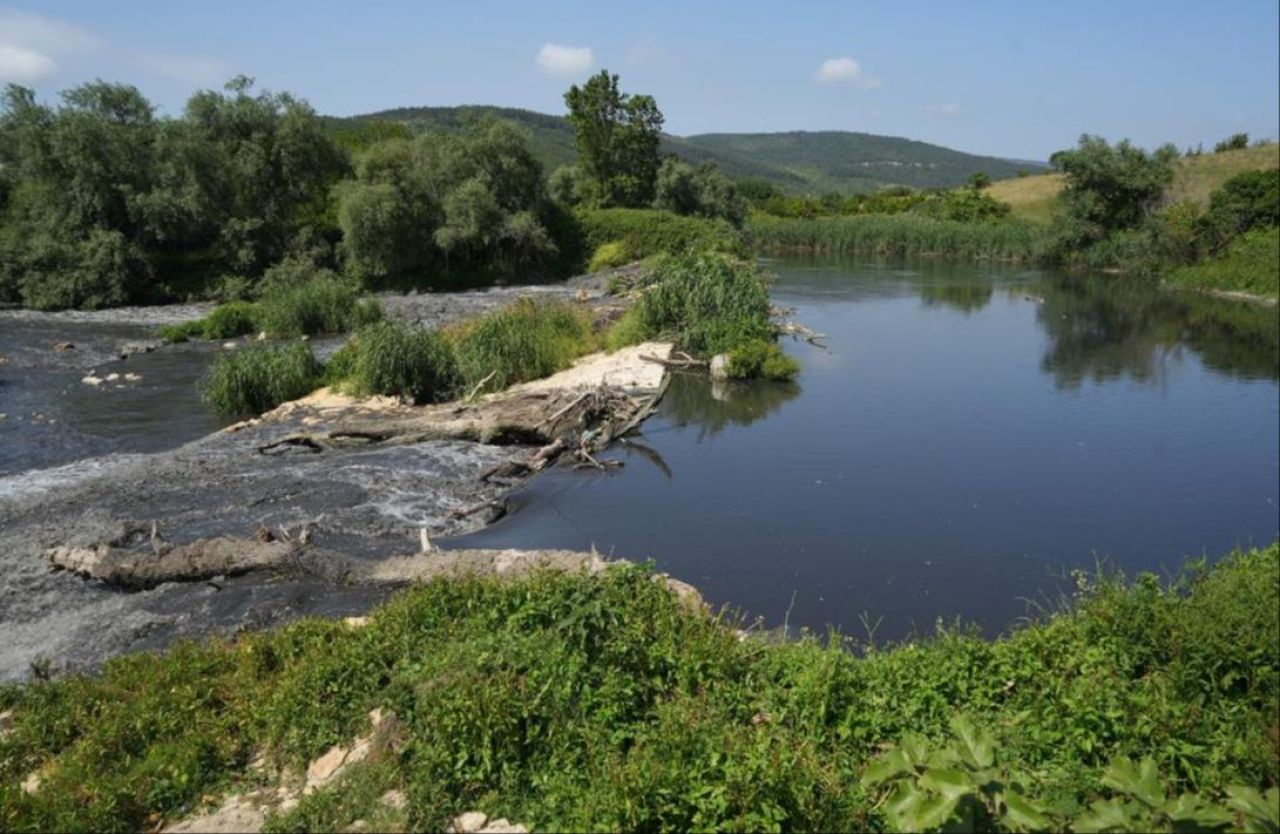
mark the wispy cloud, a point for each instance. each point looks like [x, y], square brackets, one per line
[565, 61]
[31, 44]
[24, 66]
[846, 70]
[947, 108]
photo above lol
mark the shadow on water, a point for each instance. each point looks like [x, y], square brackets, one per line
[710, 406]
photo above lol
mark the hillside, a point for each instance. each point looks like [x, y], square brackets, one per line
[1196, 177]
[797, 162]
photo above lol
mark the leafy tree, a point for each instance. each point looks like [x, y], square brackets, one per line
[1110, 188]
[1246, 201]
[565, 185]
[617, 136]
[702, 191]
[1234, 142]
[979, 180]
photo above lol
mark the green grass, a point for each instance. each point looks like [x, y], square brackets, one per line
[526, 340]
[762, 360]
[897, 235]
[646, 232]
[319, 307]
[708, 302]
[1251, 264]
[570, 702]
[259, 378]
[615, 253]
[392, 359]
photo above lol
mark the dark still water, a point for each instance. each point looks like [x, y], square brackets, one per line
[972, 433]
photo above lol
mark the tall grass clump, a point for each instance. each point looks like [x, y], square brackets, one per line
[898, 235]
[1251, 264]
[260, 377]
[708, 302]
[411, 363]
[318, 307]
[525, 340]
[646, 232]
[583, 702]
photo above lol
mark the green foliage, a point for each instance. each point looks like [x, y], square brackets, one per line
[610, 255]
[708, 302]
[101, 194]
[903, 235]
[1246, 201]
[616, 135]
[760, 359]
[1109, 188]
[626, 331]
[392, 359]
[526, 340]
[239, 318]
[259, 378]
[647, 232]
[1234, 142]
[319, 307]
[576, 702]
[702, 191]
[1251, 264]
[434, 208]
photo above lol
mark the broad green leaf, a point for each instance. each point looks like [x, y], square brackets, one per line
[948, 782]
[1189, 808]
[892, 763]
[1138, 781]
[929, 814]
[1023, 815]
[916, 749]
[1104, 815]
[975, 745]
[1262, 813]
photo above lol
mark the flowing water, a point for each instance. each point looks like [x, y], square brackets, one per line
[969, 436]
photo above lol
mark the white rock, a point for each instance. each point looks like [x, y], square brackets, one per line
[355, 622]
[133, 377]
[92, 380]
[720, 366]
[229, 345]
[32, 783]
[327, 766]
[396, 800]
[470, 822]
[112, 377]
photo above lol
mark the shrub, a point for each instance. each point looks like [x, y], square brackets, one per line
[609, 255]
[626, 331]
[261, 377]
[1246, 201]
[1250, 264]
[392, 359]
[652, 232]
[320, 306]
[182, 331]
[709, 303]
[898, 235]
[759, 359]
[239, 318]
[526, 340]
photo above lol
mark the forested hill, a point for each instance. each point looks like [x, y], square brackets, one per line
[800, 161]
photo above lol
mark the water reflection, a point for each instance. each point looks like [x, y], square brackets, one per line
[693, 400]
[967, 297]
[1103, 328]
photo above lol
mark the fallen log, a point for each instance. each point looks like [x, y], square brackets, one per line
[200, 559]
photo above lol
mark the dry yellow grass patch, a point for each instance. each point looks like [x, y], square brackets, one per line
[1033, 198]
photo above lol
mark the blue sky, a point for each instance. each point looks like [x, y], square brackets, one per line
[1016, 79]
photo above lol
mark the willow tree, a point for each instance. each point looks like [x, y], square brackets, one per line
[617, 136]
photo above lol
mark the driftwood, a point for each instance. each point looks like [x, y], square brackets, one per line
[686, 362]
[201, 559]
[799, 331]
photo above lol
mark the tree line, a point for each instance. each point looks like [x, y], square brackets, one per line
[104, 202]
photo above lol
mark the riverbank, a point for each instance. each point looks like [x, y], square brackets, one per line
[599, 700]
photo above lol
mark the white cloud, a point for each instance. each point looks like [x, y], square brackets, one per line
[949, 108]
[24, 66]
[565, 61]
[196, 69]
[43, 34]
[846, 70]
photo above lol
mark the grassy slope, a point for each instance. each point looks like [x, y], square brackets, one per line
[1032, 198]
[570, 702]
[800, 162]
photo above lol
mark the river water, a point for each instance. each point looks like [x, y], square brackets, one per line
[969, 435]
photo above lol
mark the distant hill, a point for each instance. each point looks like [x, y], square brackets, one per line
[797, 162]
[1194, 179]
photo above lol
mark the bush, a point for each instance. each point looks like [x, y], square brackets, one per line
[1251, 264]
[392, 359]
[898, 235]
[318, 307]
[709, 303]
[651, 232]
[239, 318]
[609, 255]
[261, 377]
[759, 359]
[626, 331]
[527, 340]
[1246, 201]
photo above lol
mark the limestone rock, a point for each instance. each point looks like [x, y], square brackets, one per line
[469, 823]
[237, 814]
[395, 800]
[719, 366]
